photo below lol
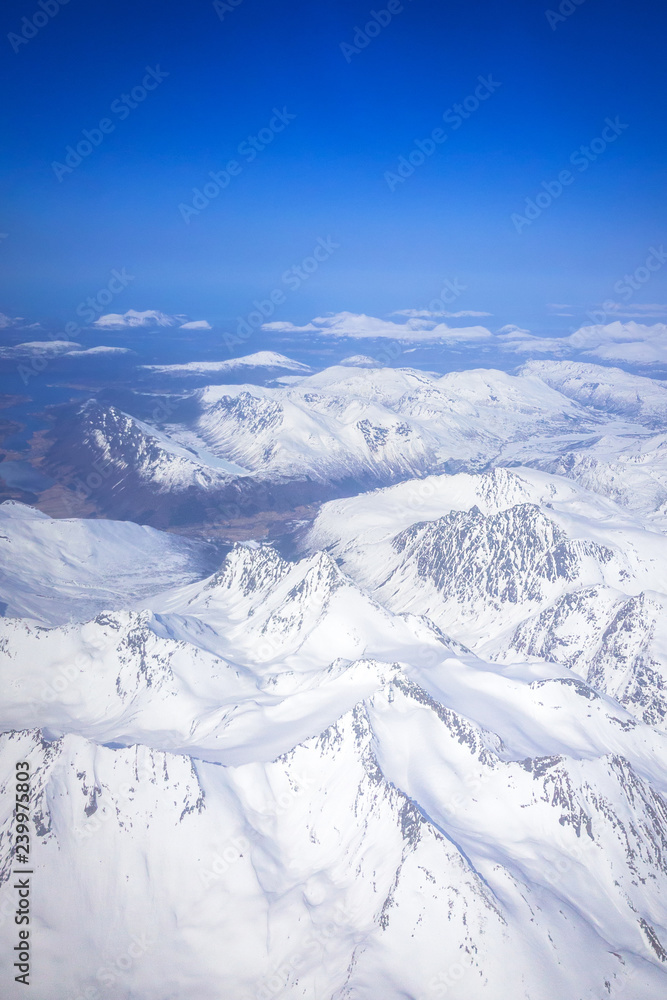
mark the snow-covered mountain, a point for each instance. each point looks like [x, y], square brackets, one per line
[309, 438]
[617, 643]
[424, 757]
[267, 363]
[630, 469]
[360, 361]
[58, 570]
[132, 469]
[514, 563]
[305, 795]
[611, 390]
[381, 425]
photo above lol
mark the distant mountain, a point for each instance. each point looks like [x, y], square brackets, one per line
[269, 362]
[424, 756]
[312, 438]
[378, 426]
[630, 469]
[610, 390]
[360, 361]
[130, 469]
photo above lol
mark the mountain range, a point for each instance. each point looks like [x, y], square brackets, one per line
[414, 748]
[303, 439]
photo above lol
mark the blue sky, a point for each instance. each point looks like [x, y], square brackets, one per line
[324, 174]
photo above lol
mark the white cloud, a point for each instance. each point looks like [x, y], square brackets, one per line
[14, 321]
[132, 318]
[360, 326]
[466, 312]
[599, 334]
[634, 343]
[58, 348]
[652, 309]
[636, 311]
[196, 324]
[515, 339]
[428, 314]
[38, 347]
[148, 319]
[647, 353]
[457, 334]
[631, 342]
[102, 349]
[280, 326]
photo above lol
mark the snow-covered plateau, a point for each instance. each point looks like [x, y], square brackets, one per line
[425, 757]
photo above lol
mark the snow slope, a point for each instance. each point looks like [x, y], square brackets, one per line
[130, 469]
[617, 643]
[55, 571]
